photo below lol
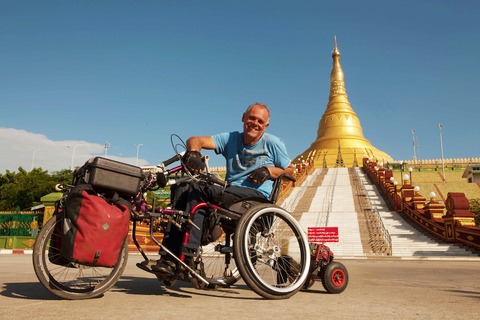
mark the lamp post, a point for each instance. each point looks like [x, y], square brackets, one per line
[414, 148]
[33, 159]
[107, 145]
[73, 154]
[440, 126]
[401, 171]
[410, 169]
[138, 147]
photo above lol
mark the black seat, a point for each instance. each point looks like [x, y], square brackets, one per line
[241, 205]
[235, 208]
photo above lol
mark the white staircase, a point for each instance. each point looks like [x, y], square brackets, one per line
[333, 206]
[407, 241]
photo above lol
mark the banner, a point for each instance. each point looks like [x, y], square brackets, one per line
[322, 234]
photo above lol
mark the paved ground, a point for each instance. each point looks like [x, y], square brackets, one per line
[378, 289]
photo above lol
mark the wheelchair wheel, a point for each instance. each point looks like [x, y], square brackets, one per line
[218, 262]
[69, 280]
[271, 251]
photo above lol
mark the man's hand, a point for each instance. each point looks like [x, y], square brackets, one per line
[260, 175]
[194, 161]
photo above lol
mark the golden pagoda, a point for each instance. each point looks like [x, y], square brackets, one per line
[340, 141]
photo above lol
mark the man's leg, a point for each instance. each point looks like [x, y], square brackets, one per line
[198, 194]
[191, 195]
[172, 237]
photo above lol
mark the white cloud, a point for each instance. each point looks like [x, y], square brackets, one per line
[20, 148]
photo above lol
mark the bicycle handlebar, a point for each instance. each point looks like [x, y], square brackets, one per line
[162, 173]
[172, 159]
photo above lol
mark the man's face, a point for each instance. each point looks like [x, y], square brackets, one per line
[255, 122]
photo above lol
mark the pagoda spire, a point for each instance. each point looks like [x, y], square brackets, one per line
[336, 76]
[340, 125]
[335, 47]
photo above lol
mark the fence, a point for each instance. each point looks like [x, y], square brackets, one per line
[19, 224]
[19, 230]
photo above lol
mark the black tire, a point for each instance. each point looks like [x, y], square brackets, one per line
[70, 280]
[334, 277]
[271, 251]
[309, 282]
[218, 262]
[169, 283]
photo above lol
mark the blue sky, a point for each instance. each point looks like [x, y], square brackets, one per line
[75, 74]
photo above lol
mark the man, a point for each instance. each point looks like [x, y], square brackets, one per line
[253, 159]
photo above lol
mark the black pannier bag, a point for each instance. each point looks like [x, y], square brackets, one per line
[109, 176]
[94, 228]
[55, 245]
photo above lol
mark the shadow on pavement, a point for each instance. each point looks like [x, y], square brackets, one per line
[468, 294]
[181, 289]
[131, 285]
[27, 290]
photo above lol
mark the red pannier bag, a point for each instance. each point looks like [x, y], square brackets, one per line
[94, 228]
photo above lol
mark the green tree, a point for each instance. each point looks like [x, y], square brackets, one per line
[475, 208]
[63, 176]
[8, 183]
[24, 189]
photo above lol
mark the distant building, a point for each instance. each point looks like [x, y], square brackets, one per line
[472, 173]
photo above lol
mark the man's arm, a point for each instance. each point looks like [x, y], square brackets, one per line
[193, 158]
[198, 143]
[276, 172]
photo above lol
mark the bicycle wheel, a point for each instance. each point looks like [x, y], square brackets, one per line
[218, 262]
[271, 251]
[69, 280]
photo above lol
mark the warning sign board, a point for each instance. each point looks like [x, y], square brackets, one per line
[323, 234]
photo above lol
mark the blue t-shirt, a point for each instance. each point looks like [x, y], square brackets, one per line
[241, 160]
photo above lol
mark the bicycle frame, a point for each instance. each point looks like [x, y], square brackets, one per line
[177, 218]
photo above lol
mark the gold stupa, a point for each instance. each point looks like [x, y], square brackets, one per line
[340, 141]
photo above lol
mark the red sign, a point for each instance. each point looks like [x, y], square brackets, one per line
[323, 234]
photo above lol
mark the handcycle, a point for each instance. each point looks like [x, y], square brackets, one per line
[260, 242]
